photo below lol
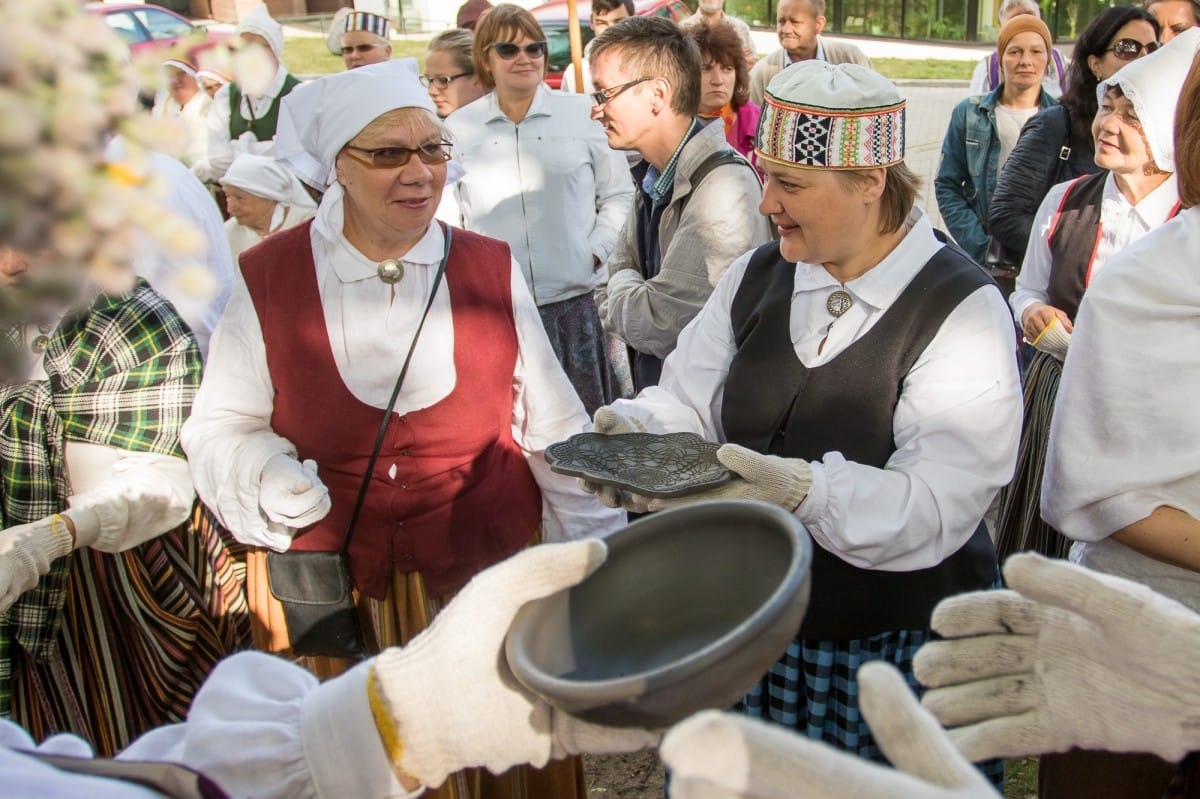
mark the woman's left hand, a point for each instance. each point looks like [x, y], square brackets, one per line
[767, 478]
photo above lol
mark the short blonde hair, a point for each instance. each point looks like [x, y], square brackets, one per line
[504, 23]
[900, 190]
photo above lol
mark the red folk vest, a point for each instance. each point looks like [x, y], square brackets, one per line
[463, 496]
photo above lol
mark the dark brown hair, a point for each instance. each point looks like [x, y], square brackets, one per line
[1187, 138]
[657, 48]
[720, 43]
[504, 23]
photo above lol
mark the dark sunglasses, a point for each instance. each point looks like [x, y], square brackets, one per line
[1130, 49]
[359, 48]
[601, 97]
[508, 51]
[442, 81]
[395, 157]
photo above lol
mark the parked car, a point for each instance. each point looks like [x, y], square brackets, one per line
[150, 28]
[553, 19]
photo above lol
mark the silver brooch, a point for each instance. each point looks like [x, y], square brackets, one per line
[390, 271]
[838, 303]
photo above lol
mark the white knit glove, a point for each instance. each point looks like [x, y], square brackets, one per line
[767, 478]
[448, 701]
[291, 494]
[726, 756]
[1069, 658]
[611, 423]
[1053, 340]
[26, 552]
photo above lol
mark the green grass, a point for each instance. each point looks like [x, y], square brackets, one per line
[310, 55]
[923, 69]
[1021, 778]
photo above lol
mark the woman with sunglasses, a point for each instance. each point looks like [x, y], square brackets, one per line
[1079, 227]
[450, 72]
[1056, 145]
[307, 359]
[541, 176]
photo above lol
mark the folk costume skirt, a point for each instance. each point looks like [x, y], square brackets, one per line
[141, 631]
[394, 621]
[581, 346]
[1020, 526]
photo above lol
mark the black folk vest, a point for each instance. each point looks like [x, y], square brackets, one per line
[262, 127]
[776, 405]
[1073, 239]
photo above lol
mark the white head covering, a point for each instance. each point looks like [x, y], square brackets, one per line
[318, 118]
[337, 29]
[1153, 84]
[181, 65]
[259, 22]
[265, 177]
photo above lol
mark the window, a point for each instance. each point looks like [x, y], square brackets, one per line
[126, 27]
[559, 43]
[162, 25]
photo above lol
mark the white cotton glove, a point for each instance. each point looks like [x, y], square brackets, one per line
[1068, 658]
[1053, 340]
[448, 701]
[611, 423]
[291, 494]
[26, 553]
[767, 478]
[726, 756]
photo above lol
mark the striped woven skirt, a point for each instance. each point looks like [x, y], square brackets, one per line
[581, 346]
[1020, 526]
[394, 621]
[141, 631]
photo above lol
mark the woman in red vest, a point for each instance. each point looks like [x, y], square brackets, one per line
[1079, 226]
[308, 356]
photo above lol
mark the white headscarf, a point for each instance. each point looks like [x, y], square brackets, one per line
[316, 120]
[1153, 84]
[259, 22]
[265, 177]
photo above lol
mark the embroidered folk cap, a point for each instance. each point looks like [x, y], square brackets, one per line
[831, 116]
[366, 21]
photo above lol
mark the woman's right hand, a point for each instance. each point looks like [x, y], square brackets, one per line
[291, 494]
[1037, 317]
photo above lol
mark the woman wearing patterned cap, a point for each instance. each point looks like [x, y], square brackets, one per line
[861, 374]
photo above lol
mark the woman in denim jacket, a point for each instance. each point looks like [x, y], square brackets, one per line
[983, 130]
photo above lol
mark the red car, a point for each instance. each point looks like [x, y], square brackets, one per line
[553, 19]
[148, 28]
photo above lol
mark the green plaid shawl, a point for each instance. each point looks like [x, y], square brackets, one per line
[122, 373]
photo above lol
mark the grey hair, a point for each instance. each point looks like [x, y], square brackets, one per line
[1008, 6]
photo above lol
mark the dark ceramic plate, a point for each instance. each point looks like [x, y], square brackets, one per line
[657, 466]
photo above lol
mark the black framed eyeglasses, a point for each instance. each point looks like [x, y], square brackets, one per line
[1131, 49]
[442, 81]
[508, 50]
[395, 157]
[600, 98]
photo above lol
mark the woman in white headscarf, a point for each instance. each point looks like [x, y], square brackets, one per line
[263, 197]
[309, 353]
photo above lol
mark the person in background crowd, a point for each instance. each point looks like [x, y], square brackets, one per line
[116, 597]
[471, 12]
[264, 197]
[983, 131]
[1174, 16]
[364, 39]
[307, 357]
[893, 411]
[450, 72]
[988, 75]
[712, 11]
[799, 24]
[541, 176]
[696, 207]
[724, 86]
[245, 113]
[605, 13]
[1055, 146]
[212, 81]
[184, 102]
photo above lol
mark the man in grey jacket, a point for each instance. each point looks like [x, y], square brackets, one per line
[696, 207]
[799, 24]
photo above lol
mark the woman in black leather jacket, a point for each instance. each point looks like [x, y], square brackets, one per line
[1056, 145]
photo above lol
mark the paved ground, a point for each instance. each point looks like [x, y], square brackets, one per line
[928, 114]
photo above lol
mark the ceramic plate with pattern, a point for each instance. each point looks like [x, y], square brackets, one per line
[658, 466]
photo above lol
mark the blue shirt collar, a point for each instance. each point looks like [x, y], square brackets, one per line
[656, 185]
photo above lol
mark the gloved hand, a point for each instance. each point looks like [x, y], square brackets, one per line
[291, 494]
[1069, 658]
[726, 756]
[26, 552]
[1053, 340]
[448, 701]
[768, 478]
[611, 423]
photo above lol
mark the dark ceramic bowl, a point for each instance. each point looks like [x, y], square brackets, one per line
[692, 607]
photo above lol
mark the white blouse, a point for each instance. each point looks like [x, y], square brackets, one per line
[370, 325]
[956, 426]
[1121, 224]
